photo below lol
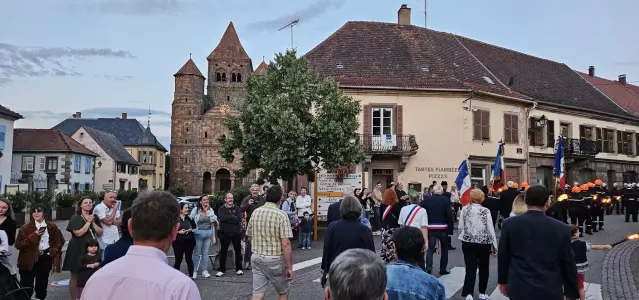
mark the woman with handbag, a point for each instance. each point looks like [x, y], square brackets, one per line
[83, 227]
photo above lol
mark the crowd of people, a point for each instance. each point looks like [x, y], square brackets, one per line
[113, 254]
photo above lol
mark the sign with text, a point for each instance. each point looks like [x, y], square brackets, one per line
[441, 173]
[330, 190]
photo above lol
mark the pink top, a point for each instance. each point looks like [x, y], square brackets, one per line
[143, 273]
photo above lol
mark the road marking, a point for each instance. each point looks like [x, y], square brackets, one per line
[307, 263]
[592, 290]
[453, 281]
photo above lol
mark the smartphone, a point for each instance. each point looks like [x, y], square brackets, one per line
[42, 229]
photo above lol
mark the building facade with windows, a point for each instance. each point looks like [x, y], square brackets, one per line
[115, 168]
[7, 119]
[40, 152]
[430, 99]
[138, 140]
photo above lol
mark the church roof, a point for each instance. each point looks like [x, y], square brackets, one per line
[189, 68]
[229, 47]
[261, 69]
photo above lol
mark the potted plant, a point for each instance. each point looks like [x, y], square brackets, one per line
[18, 204]
[65, 205]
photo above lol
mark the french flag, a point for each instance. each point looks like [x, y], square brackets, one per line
[498, 170]
[560, 165]
[463, 183]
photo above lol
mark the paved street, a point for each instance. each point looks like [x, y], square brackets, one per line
[307, 262]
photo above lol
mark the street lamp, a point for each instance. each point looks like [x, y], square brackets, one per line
[540, 123]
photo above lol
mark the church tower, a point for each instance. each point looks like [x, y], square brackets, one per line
[229, 67]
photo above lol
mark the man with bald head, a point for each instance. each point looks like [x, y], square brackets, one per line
[230, 218]
[110, 219]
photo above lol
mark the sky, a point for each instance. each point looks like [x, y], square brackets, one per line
[106, 57]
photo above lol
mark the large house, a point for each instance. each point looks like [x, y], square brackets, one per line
[7, 119]
[431, 99]
[115, 168]
[38, 153]
[139, 141]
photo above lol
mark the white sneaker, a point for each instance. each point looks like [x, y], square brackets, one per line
[219, 274]
[309, 248]
[194, 275]
[469, 297]
[483, 297]
[206, 274]
[376, 233]
[303, 248]
[239, 272]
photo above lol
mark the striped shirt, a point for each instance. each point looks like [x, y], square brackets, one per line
[267, 227]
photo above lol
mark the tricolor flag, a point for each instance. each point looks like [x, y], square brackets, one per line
[498, 169]
[560, 165]
[463, 183]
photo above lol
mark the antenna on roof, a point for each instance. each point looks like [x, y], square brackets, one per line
[293, 23]
[148, 122]
[425, 13]
[190, 55]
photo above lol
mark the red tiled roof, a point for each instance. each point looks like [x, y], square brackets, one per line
[189, 68]
[46, 140]
[624, 95]
[374, 54]
[229, 47]
[261, 69]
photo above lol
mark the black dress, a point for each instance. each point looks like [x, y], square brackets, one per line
[85, 273]
[9, 226]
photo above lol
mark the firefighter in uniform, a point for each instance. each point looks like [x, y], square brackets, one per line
[615, 197]
[558, 209]
[632, 207]
[598, 206]
[577, 208]
[587, 198]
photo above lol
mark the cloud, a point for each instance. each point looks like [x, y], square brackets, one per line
[16, 61]
[316, 9]
[158, 117]
[139, 7]
[627, 63]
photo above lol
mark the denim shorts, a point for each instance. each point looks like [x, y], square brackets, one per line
[269, 269]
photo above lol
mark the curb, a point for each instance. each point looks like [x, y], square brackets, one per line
[617, 278]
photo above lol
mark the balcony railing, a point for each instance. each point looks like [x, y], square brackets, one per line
[581, 147]
[144, 167]
[389, 144]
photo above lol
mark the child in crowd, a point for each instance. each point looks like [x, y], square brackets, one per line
[305, 231]
[89, 263]
[580, 248]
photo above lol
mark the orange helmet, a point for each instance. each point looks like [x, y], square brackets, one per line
[590, 184]
[584, 187]
[524, 184]
[526, 188]
[576, 189]
[516, 185]
[598, 182]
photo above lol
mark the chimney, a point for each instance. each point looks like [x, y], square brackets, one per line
[77, 115]
[591, 71]
[123, 116]
[622, 79]
[403, 15]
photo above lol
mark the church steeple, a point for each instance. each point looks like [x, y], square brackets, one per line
[261, 69]
[189, 68]
[230, 47]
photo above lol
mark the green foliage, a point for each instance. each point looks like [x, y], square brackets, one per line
[18, 200]
[292, 122]
[127, 195]
[177, 191]
[67, 199]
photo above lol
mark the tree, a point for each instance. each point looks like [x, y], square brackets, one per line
[292, 122]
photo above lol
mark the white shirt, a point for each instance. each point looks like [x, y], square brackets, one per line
[420, 220]
[476, 225]
[4, 241]
[304, 204]
[44, 239]
[111, 233]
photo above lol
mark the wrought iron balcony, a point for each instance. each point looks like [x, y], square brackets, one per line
[581, 147]
[389, 144]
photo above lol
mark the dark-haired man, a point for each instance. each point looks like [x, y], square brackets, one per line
[535, 255]
[409, 246]
[270, 231]
[143, 273]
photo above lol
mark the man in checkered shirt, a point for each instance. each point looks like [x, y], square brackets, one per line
[269, 231]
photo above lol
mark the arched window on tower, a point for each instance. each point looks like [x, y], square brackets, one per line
[218, 76]
[233, 77]
[224, 77]
[239, 77]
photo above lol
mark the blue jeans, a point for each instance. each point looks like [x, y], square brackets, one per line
[201, 251]
[306, 239]
[433, 236]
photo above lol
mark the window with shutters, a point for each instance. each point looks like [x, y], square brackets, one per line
[536, 135]
[586, 133]
[382, 121]
[511, 128]
[619, 142]
[626, 143]
[550, 134]
[608, 140]
[481, 125]
[565, 130]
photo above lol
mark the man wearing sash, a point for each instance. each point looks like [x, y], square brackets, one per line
[415, 216]
[440, 226]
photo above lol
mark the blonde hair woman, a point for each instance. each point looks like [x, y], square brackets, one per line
[477, 234]
[519, 206]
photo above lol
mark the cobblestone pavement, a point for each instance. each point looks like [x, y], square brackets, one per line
[607, 264]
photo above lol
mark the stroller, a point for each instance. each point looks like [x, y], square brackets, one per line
[10, 288]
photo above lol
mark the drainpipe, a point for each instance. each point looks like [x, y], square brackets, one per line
[527, 141]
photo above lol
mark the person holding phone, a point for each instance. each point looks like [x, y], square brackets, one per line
[39, 244]
[185, 241]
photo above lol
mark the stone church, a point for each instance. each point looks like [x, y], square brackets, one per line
[196, 119]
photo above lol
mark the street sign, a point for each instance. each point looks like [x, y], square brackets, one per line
[329, 190]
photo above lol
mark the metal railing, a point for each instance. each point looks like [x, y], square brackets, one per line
[389, 144]
[581, 147]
